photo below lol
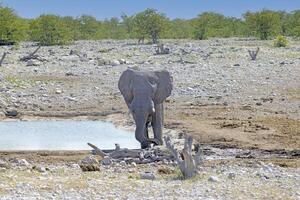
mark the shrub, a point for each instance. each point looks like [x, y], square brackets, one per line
[280, 41]
[50, 30]
[12, 28]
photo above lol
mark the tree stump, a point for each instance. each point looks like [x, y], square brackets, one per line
[187, 163]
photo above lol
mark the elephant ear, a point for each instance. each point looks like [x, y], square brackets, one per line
[164, 86]
[125, 85]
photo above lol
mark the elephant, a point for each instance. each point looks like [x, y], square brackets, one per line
[144, 93]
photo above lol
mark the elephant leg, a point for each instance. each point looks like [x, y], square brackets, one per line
[143, 139]
[157, 123]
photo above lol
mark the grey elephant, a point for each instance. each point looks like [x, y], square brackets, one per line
[144, 93]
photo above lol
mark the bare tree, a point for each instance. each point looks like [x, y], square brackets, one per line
[2, 58]
[186, 161]
[253, 54]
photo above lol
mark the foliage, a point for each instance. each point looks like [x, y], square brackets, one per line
[280, 41]
[264, 24]
[53, 30]
[12, 28]
[211, 24]
[50, 30]
[149, 23]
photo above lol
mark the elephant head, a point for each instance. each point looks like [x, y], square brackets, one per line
[143, 91]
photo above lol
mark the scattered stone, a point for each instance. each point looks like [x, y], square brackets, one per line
[70, 74]
[32, 63]
[89, 167]
[165, 170]
[115, 63]
[89, 160]
[58, 91]
[11, 113]
[133, 164]
[147, 176]
[39, 169]
[102, 62]
[123, 163]
[213, 179]
[4, 164]
[106, 161]
[231, 175]
[122, 61]
[21, 162]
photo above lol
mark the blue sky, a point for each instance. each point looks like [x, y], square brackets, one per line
[102, 9]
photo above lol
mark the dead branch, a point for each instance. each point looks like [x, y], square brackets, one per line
[2, 58]
[139, 156]
[186, 161]
[97, 150]
[31, 55]
[253, 54]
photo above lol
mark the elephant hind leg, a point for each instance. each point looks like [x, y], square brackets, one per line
[157, 123]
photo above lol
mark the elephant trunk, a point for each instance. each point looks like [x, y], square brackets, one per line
[141, 132]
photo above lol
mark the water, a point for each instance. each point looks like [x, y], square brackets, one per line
[63, 135]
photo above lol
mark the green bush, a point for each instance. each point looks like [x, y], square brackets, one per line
[50, 30]
[12, 28]
[280, 41]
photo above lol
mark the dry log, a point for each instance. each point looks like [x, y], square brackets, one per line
[2, 58]
[31, 55]
[97, 150]
[139, 156]
[186, 161]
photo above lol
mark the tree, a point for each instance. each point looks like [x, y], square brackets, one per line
[12, 28]
[211, 24]
[292, 23]
[128, 25]
[179, 29]
[50, 30]
[114, 29]
[263, 24]
[149, 23]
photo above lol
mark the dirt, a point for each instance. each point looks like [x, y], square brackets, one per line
[253, 121]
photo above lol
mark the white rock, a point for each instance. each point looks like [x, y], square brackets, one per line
[58, 91]
[123, 163]
[89, 160]
[106, 161]
[122, 61]
[133, 164]
[231, 175]
[147, 176]
[32, 63]
[213, 179]
[41, 169]
[23, 162]
[115, 63]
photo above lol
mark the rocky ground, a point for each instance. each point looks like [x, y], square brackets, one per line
[221, 97]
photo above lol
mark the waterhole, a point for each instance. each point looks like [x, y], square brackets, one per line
[63, 135]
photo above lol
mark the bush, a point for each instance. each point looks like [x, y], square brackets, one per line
[50, 30]
[12, 28]
[280, 41]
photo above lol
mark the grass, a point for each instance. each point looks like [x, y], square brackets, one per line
[16, 82]
[293, 93]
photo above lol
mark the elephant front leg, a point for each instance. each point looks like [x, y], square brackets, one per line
[157, 123]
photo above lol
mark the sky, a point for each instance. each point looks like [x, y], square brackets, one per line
[103, 9]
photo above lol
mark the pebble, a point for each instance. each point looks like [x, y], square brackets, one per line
[213, 179]
[106, 161]
[147, 176]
